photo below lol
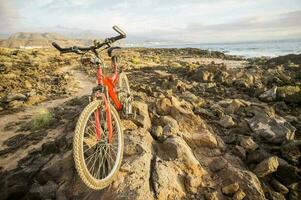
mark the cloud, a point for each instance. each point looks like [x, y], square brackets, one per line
[9, 16]
[284, 25]
[284, 20]
[189, 20]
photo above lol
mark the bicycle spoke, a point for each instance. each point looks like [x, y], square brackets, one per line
[91, 156]
[101, 156]
[99, 166]
[94, 162]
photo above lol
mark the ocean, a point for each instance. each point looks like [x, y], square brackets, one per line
[246, 49]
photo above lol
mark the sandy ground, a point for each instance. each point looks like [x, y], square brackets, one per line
[207, 61]
[84, 88]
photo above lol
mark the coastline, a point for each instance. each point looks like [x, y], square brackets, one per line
[206, 121]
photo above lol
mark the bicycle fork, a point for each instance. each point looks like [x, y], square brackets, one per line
[108, 121]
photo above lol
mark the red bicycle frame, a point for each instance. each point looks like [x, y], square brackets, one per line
[109, 83]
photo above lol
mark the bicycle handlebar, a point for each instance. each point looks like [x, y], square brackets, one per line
[107, 41]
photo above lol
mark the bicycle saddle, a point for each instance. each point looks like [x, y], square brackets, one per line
[113, 51]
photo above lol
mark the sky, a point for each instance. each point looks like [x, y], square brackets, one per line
[190, 21]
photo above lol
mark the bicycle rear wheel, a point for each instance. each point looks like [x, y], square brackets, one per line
[124, 93]
[96, 160]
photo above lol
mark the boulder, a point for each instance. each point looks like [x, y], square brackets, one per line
[226, 121]
[288, 174]
[211, 195]
[289, 94]
[16, 104]
[240, 152]
[175, 148]
[249, 144]
[167, 120]
[133, 179]
[13, 97]
[269, 95]
[34, 99]
[267, 166]
[247, 181]
[142, 118]
[275, 195]
[239, 195]
[176, 166]
[218, 164]
[234, 106]
[279, 187]
[295, 191]
[274, 129]
[204, 139]
[230, 189]
[167, 182]
[157, 132]
[163, 106]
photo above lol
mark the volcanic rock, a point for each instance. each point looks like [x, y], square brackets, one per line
[266, 167]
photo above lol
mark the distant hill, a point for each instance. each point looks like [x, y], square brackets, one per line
[39, 40]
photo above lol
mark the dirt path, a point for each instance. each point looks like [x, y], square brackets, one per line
[84, 85]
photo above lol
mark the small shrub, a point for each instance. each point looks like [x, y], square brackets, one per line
[41, 120]
[135, 60]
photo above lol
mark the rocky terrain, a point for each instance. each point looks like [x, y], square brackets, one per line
[208, 126]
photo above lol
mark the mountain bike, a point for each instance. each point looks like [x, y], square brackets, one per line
[98, 138]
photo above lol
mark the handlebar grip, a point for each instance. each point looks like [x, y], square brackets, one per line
[118, 30]
[55, 45]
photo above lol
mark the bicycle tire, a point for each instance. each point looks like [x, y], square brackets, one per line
[78, 149]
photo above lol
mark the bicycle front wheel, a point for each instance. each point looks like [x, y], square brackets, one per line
[96, 160]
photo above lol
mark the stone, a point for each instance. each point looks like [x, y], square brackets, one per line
[182, 112]
[163, 106]
[247, 181]
[211, 195]
[168, 131]
[192, 182]
[230, 189]
[269, 95]
[288, 174]
[35, 99]
[295, 191]
[239, 195]
[13, 97]
[166, 182]
[142, 116]
[133, 179]
[234, 106]
[279, 187]
[192, 98]
[158, 131]
[204, 112]
[218, 164]
[273, 129]
[240, 152]
[167, 120]
[267, 166]
[292, 154]
[290, 94]
[226, 121]
[204, 139]
[276, 196]
[16, 104]
[175, 148]
[248, 144]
